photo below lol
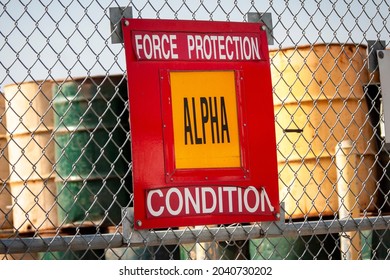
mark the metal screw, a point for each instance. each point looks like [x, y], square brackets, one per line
[139, 223]
[262, 232]
[381, 54]
[263, 27]
[127, 23]
[277, 215]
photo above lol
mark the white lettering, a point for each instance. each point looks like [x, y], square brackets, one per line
[221, 47]
[207, 47]
[229, 43]
[257, 199]
[239, 194]
[213, 40]
[168, 201]
[247, 48]
[147, 40]
[255, 47]
[138, 46]
[205, 209]
[229, 190]
[241, 48]
[200, 47]
[180, 201]
[220, 200]
[173, 46]
[264, 196]
[191, 45]
[188, 198]
[236, 41]
[164, 41]
[156, 46]
[149, 203]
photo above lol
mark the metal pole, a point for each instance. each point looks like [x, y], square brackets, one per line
[348, 192]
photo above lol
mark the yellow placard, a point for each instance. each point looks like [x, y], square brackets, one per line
[205, 123]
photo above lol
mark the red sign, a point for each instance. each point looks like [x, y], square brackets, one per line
[202, 123]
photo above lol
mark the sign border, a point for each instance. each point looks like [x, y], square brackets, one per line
[147, 131]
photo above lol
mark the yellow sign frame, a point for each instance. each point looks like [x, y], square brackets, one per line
[204, 124]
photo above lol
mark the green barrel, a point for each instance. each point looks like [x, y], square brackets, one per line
[366, 237]
[380, 249]
[92, 151]
[320, 247]
[72, 255]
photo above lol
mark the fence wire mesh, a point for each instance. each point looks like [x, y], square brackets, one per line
[65, 159]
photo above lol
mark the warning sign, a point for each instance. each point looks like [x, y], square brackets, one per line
[202, 123]
[205, 124]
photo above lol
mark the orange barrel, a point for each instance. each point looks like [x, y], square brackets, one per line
[20, 256]
[31, 155]
[318, 102]
[5, 194]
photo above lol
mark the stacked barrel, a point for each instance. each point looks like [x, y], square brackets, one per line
[64, 157]
[92, 156]
[31, 155]
[319, 102]
[92, 152]
[5, 193]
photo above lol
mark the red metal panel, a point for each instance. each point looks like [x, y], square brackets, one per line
[167, 196]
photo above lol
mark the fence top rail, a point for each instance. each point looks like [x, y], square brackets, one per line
[133, 238]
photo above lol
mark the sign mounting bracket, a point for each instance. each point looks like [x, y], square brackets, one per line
[116, 15]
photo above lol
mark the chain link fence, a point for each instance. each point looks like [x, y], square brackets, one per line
[65, 159]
